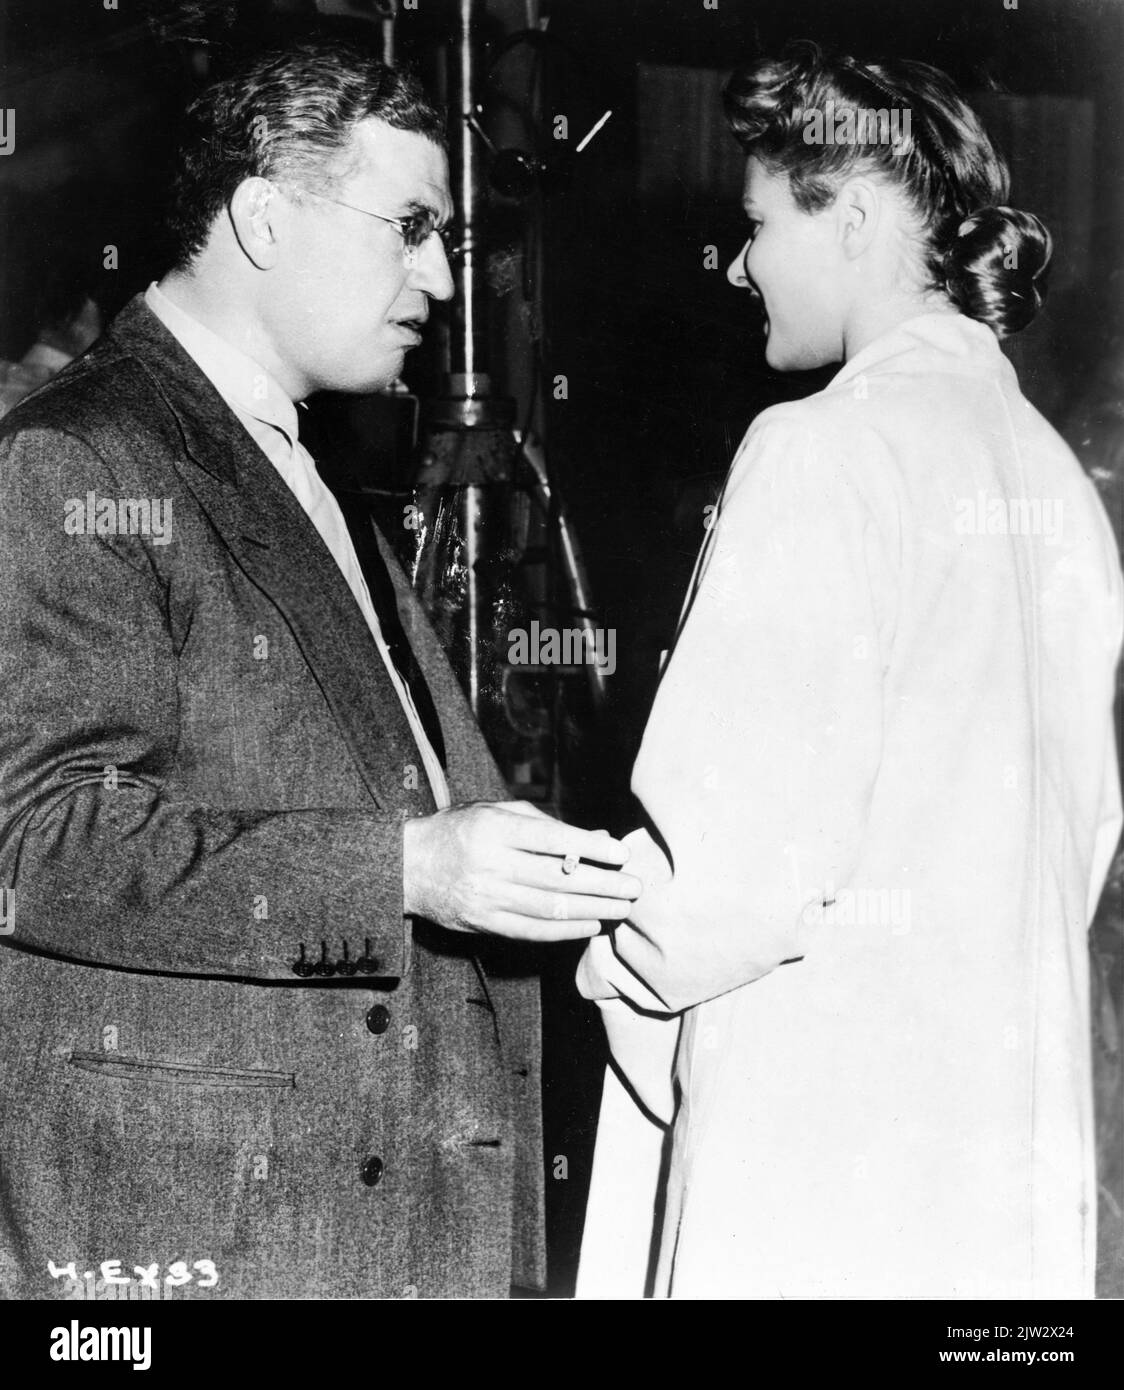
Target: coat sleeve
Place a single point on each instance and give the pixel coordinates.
(759, 760)
(102, 865)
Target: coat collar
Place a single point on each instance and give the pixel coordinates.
(927, 343)
(282, 552)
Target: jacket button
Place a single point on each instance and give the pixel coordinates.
(378, 1019)
(371, 1171)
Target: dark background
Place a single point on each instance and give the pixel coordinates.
(604, 281)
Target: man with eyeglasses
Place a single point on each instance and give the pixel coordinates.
(262, 1035)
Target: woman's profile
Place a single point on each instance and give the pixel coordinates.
(879, 780)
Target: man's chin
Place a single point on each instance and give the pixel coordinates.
(367, 383)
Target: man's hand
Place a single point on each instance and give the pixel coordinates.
(498, 869)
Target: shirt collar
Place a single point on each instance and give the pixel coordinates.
(243, 383)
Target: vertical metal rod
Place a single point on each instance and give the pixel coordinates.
(467, 353)
(472, 521)
(387, 11)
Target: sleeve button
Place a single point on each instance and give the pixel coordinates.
(367, 964)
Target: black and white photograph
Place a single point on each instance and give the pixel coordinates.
(560, 621)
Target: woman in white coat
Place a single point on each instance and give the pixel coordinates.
(879, 778)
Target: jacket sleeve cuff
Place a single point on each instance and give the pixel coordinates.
(357, 927)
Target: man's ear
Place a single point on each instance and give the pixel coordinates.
(256, 217)
(858, 209)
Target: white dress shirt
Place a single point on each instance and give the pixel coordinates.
(271, 420)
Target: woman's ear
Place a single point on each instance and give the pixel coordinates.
(859, 209)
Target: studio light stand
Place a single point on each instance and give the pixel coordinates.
(492, 527)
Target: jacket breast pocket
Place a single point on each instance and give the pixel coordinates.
(179, 1073)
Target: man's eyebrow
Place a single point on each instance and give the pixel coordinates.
(419, 206)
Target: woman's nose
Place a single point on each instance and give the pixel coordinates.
(737, 274)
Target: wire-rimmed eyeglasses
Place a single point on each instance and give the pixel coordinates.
(415, 228)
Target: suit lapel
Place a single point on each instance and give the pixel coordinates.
(279, 549)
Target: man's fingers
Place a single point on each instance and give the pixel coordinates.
(564, 907)
(544, 871)
(520, 928)
(545, 836)
(525, 808)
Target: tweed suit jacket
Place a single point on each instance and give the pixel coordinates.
(204, 772)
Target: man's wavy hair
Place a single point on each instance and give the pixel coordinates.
(285, 114)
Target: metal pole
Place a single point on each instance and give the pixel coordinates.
(472, 520)
(388, 13)
(467, 341)
(469, 446)
(468, 347)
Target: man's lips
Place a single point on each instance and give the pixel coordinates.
(413, 327)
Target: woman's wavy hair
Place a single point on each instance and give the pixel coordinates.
(990, 259)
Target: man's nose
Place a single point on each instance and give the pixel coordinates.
(737, 274)
(431, 272)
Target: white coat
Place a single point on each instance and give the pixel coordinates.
(882, 764)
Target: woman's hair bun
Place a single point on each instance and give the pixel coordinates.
(996, 267)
